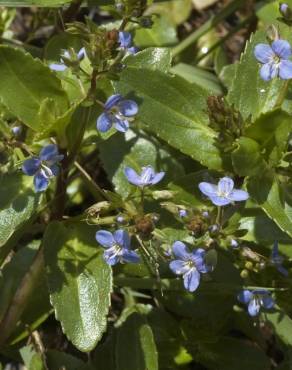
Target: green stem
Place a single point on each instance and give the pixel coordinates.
(219, 216)
(21, 297)
(282, 94)
(225, 38)
(95, 190)
(207, 26)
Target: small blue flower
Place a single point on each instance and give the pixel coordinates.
(182, 213)
(117, 111)
(117, 247)
(146, 178)
(188, 264)
(125, 41)
(283, 8)
(277, 260)
(16, 130)
(43, 167)
(255, 299)
(275, 61)
(60, 67)
(234, 243)
(223, 193)
(120, 219)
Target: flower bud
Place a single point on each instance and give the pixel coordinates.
(244, 274)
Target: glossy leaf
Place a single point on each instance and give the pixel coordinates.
(79, 282)
(268, 193)
(136, 334)
(18, 205)
(22, 87)
(175, 111)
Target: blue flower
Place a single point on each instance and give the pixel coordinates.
(60, 67)
(125, 41)
(275, 61)
(277, 260)
(43, 167)
(234, 243)
(182, 213)
(223, 193)
(255, 299)
(117, 247)
(117, 111)
(188, 264)
(283, 8)
(146, 178)
(16, 130)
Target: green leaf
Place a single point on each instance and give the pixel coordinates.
(61, 360)
(198, 76)
(28, 3)
(282, 325)
(268, 193)
(18, 205)
(271, 131)
(175, 111)
(136, 334)
(150, 58)
(247, 159)
(80, 282)
(12, 274)
(229, 354)
(26, 85)
(249, 93)
(162, 33)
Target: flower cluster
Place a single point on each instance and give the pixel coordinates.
(44, 167)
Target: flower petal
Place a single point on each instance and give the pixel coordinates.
(238, 195)
(264, 53)
(225, 185)
(111, 258)
(122, 238)
(268, 301)
(125, 39)
(178, 267)
(192, 280)
(133, 50)
(181, 251)
(268, 71)
(253, 307)
(282, 48)
(147, 175)
(285, 70)
(208, 188)
(59, 67)
(157, 177)
(121, 125)
(245, 296)
(31, 166)
(105, 238)
(40, 181)
(130, 256)
(132, 176)
(81, 53)
(104, 122)
(219, 201)
(49, 152)
(112, 101)
(128, 108)
(282, 270)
